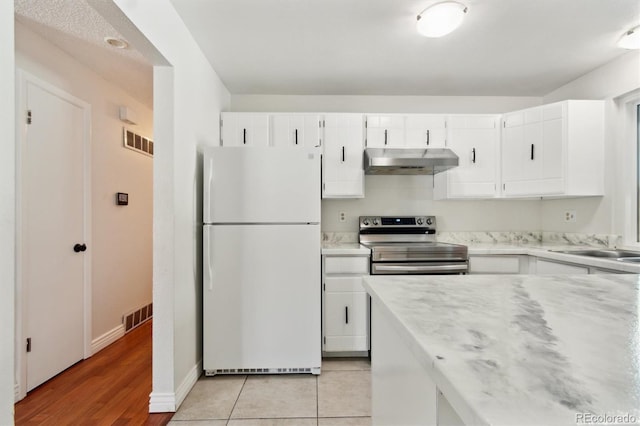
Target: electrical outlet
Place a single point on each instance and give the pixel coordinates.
(570, 216)
(343, 217)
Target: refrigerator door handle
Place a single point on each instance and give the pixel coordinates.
(207, 192)
(208, 256)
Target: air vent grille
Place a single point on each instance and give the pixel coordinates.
(137, 143)
(137, 317)
(257, 371)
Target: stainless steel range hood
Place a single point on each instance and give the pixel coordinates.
(401, 161)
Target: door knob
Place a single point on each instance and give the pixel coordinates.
(79, 247)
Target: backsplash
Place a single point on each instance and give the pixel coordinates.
(339, 237)
(594, 240)
(513, 237)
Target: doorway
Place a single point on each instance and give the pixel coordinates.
(54, 309)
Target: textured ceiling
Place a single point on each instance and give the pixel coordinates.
(370, 47)
(78, 29)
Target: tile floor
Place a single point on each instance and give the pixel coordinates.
(340, 396)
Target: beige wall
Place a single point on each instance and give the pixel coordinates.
(121, 236)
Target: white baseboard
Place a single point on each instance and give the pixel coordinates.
(16, 393)
(106, 339)
(162, 402)
(187, 384)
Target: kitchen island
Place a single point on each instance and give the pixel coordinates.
(505, 350)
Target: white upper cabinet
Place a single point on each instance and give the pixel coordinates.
(296, 130)
(476, 140)
(244, 129)
(554, 150)
(425, 131)
(385, 131)
(342, 160)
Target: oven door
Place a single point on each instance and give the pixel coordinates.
(419, 268)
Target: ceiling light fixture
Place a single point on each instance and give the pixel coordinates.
(118, 43)
(441, 18)
(630, 39)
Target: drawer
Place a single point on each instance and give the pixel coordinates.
(494, 264)
(346, 265)
(343, 284)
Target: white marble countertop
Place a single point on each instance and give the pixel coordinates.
(344, 249)
(543, 250)
(522, 349)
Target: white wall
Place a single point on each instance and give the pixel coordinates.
(7, 213)
(188, 97)
(409, 194)
(121, 247)
(601, 215)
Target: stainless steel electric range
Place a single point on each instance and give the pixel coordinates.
(402, 245)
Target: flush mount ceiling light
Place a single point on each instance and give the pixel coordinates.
(441, 18)
(630, 39)
(118, 43)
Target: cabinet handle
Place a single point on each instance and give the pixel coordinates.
(428, 138)
(343, 155)
(532, 156)
(296, 132)
(244, 136)
(385, 136)
(473, 155)
(346, 315)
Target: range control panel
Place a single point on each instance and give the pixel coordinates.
(400, 221)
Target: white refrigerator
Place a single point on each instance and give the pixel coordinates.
(261, 260)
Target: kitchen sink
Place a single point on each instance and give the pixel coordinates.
(629, 259)
(622, 255)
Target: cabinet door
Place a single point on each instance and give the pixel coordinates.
(552, 157)
(385, 131)
(548, 267)
(345, 315)
(245, 129)
(475, 140)
(425, 131)
(295, 130)
(512, 148)
(342, 172)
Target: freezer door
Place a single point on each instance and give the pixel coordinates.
(261, 185)
(261, 297)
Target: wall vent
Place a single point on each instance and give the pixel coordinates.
(137, 317)
(257, 371)
(137, 143)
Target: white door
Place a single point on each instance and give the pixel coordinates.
(475, 140)
(53, 223)
(244, 129)
(385, 131)
(261, 296)
(261, 185)
(295, 130)
(425, 131)
(342, 170)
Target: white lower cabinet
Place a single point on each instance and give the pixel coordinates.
(498, 264)
(551, 267)
(345, 305)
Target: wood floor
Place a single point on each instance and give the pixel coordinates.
(110, 388)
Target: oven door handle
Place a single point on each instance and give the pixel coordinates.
(421, 268)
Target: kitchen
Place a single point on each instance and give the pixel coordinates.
(594, 215)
